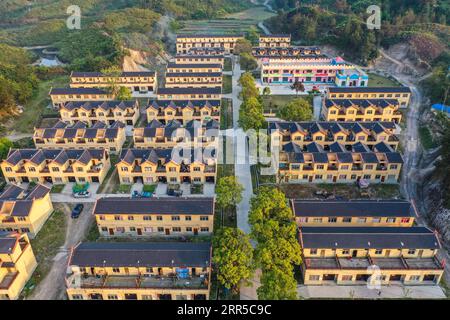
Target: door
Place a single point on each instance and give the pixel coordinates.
(111, 231)
(195, 231)
(334, 179)
(310, 178)
(167, 232)
(72, 179)
(95, 179)
(354, 253)
(139, 231)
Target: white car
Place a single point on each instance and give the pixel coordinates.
(82, 194)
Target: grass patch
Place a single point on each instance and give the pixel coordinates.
(225, 170)
(149, 188)
(271, 103)
(227, 84)
(34, 109)
(57, 188)
(226, 114)
(93, 234)
(426, 138)
(45, 247)
(376, 80)
(106, 184)
(196, 188)
(123, 188)
(227, 65)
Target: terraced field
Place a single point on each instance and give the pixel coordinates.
(233, 23)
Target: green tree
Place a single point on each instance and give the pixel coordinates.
(253, 36)
(298, 86)
(5, 145)
(233, 257)
(124, 93)
(249, 89)
(228, 192)
(276, 284)
(113, 73)
(266, 91)
(251, 114)
(247, 61)
(242, 46)
(297, 110)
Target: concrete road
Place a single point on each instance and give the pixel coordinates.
(52, 287)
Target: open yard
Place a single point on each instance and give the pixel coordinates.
(426, 138)
(227, 84)
(272, 102)
(36, 107)
(376, 80)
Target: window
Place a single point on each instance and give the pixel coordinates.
(378, 251)
(132, 229)
(347, 219)
(346, 252)
(175, 218)
(204, 218)
(188, 218)
(314, 277)
(176, 229)
(390, 220)
(159, 218)
(8, 169)
(332, 220)
(347, 277)
(188, 229)
(131, 218)
(204, 229)
(116, 270)
(147, 218)
(405, 220)
(313, 251)
(376, 220)
(160, 229)
(317, 220)
(113, 297)
(411, 251)
(77, 297)
(147, 297)
(362, 220)
(414, 278)
(118, 218)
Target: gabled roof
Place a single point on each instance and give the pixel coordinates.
(60, 156)
(169, 206)
(123, 74)
(141, 254)
(75, 91)
(105, 105)
(368, 89)
(176, 91)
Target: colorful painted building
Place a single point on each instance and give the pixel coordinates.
(402, 94)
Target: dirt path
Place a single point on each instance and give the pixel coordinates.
(52, 287)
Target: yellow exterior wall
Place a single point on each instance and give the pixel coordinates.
(355, 222)
(183, 115)
(128, 116)
(402, 97)
(354, 113)
(105, 81)
(225, 42)
(59, 99)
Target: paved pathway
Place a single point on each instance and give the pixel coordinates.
(317, 103)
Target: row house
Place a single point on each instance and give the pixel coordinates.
(312, 70)
(25, 210)
(361, 110)
(275, 40)
(202, 51)
(158, 135)
(183, 110)
(313, 164)
(55, 165)
(155, 217)
(226, 42)
(326, 133)
(288, 54)
(139, 271)
(199, 59)
(189, 93)
(109, 112)
(353, 213)
(17, 264)
(60, 96)
(78, 135)
(170, 165)
(140, 83)
(193, 68)
(370, 256)
(194, 80)
(402, 94)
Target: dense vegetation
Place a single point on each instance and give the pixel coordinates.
(17, 78)
(342, 23)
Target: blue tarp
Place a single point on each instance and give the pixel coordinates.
(441, 107)
(182, 273)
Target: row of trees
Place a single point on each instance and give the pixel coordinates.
(274, 231)
(251, 111)
(243, 48)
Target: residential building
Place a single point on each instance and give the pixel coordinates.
(183, 110)
(275, 40)
(139, 271)
(171, 165)
(144, 217)
(226, 42)
(189, 93)
(64, 135)
(140, 83)
(288, 54)
(196, 51)
(193, 67)
(313, 164)
(199, 59)
(370, 255)
(25, 210)
(194, 80)
(60, 96)
(402, 94)
(312, 70)
(326, 133)
(55, 165)
(17, 264)
(108, 112)
(353, 213)
(158, 135)
(361, 110)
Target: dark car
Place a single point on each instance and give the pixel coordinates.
(77, 211)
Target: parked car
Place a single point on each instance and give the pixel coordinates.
(135, 194)
(77, 211)
(82, 194)
(176, 193)
(146, 194)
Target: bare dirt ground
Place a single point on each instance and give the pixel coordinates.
(52, 287)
